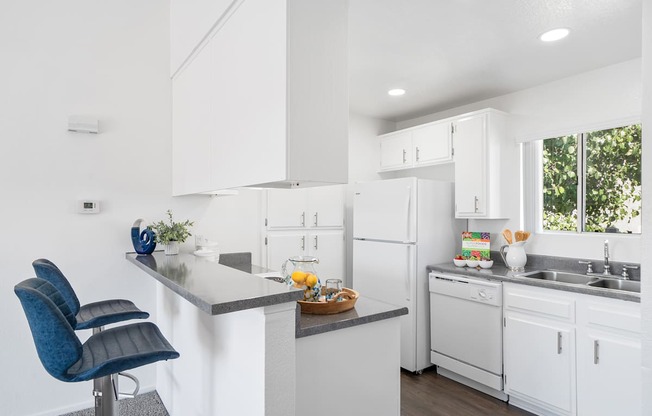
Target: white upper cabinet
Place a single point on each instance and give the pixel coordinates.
(476, 143)
(190, 22)
(429, 144)
(432, 144)
(305, 208)
(277, 110)
(396, 151)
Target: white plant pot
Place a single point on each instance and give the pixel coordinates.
(172, 248)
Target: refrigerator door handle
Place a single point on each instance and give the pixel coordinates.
(408, 288)
(407, 213)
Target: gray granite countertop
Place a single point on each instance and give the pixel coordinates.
(212, 287)
(365, 311)
(231, 285)
(500, 272)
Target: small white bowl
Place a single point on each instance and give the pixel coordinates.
(486, 264)
(472, 263)
(459, 263)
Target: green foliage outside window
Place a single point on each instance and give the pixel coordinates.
(613, 181)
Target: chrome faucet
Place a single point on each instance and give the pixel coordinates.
(607, 266)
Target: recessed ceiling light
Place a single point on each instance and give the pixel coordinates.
(396, 92)
(554, 34)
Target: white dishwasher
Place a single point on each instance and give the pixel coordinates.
(466, 331)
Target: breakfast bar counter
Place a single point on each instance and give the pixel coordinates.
(212, 287)
(246, 348)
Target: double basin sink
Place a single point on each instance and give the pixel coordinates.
(583, 279)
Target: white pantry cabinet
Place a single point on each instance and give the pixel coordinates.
(476, 143)
(609, 357)
(306, 222)
(425, 145)
(265, 127)
(539, 344)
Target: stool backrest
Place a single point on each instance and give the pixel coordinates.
(51, 323)
(47, 270)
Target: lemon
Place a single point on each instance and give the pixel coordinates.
(299, 277)
(311, 280)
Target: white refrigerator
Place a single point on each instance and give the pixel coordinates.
(400, 226)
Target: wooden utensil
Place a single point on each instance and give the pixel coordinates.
(507, 234)
(521, 235)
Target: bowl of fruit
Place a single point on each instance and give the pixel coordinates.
(473, 261)
(485, 262)
(459, 261)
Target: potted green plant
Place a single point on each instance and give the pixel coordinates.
(171, 233)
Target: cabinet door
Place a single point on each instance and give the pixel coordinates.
(328, 247)
(539, 361)
(396, 151)
(432, 144)
(326, 206)
(249, 102)
(286, 208)
(471, 170)
(282, 246)
(192, 127)
(609, 374)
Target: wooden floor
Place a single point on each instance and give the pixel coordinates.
(430, 394)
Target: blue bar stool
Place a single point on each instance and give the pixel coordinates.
(93, 315)
(102, 357)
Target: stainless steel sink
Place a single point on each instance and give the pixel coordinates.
(563, 277)
(626, 285)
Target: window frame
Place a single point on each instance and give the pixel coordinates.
(532, 174)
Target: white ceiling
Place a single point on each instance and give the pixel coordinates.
(448, 53)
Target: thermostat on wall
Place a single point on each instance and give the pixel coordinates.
(88, 207)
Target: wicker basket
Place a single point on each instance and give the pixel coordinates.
(348, 296)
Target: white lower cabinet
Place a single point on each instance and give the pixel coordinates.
(326, 245)
(539, 344)
(571, 354)
(609, 358)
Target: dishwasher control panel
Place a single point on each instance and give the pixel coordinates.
(483, 294)
(462, 287)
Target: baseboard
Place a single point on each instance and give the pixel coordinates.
(86, 404)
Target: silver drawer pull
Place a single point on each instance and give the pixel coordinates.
(596, 352)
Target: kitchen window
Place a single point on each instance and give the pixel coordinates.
(586, 182)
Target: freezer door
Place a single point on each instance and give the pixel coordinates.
(386, 210)
(386, 272)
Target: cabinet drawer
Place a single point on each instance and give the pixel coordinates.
(612, 316)
(540, 302)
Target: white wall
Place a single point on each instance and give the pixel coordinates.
(591, 99)
(646, 277)
(108, 59)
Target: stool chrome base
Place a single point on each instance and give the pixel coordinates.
(105, 390)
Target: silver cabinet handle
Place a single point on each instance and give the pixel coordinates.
(558, 342)
(476, 203)
(316, 218)
(315, 243)
(303, 243)
(417, 154)
(404, 156)
(303, 219)
(596, 351)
